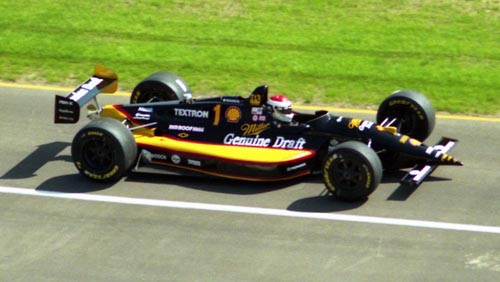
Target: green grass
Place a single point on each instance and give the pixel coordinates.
(343, 52)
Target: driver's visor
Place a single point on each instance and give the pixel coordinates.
(285, 111)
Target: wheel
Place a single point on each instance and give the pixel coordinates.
(352, 171)
(104, 150)
(413, 111)
(161, 86)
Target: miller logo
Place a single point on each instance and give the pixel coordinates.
(255, 100)
(254, 128)
(233, 114)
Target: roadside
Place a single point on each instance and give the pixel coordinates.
(332, 108)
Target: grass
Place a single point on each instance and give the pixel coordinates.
(342, 52)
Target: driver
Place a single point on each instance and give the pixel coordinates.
(281, 108)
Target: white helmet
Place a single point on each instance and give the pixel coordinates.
(281, 108)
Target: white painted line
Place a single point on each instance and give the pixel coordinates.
(254, 210)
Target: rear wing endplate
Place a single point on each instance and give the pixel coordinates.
(67, 109)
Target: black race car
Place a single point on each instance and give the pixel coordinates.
(256, 138)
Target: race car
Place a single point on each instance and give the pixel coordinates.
(255, 138)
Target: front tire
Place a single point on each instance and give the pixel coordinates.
(414, 113)
(352, 171)
(104, 150)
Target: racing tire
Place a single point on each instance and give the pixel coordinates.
(161, 86)
(104, 150)
(352, 171)
(414, 113)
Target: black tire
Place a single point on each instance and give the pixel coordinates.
(161, 86)
(352, 171)
(414, 112)
(104, 150)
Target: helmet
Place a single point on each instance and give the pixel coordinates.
(281, 108)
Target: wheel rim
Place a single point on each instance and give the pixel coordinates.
(406, 122)
(348, 173)
(98, 154)
(150, 98)
(152, 94)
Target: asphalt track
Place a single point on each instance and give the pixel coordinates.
(57, 226)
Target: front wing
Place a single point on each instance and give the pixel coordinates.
(421, 171)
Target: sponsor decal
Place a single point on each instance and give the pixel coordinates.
(102, 176)
(354, 123)
(255, 100)
(368, 177)
(183, 135)
(85, 88)
(281, 142)
(415, 109)
(404, 138)
(146, 110)
(157, 156)
(194, 162)
(150, 156)
(411, 141)
(65, 102)
(360, 124)
(326, 171)
(233, 114)
(187, 128)
(232, 139)
(191, 113)
(257, 110)
(365, 125)
(254, 128)
(257, 141)
(418, 175)
(95, 133)
(65, 111)
(229, 100)
(257, 118)
(439, 150)
(295, 167)
(139, 116)
(258, 114)
(176, 159)
(415, 142)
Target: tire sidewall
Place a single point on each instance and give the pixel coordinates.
(165, 86)
(409, 103)
(371, 169)
(119, 139)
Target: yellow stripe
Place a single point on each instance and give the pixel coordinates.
(234, 153)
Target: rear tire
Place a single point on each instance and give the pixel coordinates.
(161, 86)
(414, 113)
(352, 171)
(104, 150)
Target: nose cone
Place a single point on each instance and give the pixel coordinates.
(446, 159)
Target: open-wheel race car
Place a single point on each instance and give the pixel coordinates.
(257, 138)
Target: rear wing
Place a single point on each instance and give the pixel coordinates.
(67, 109)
